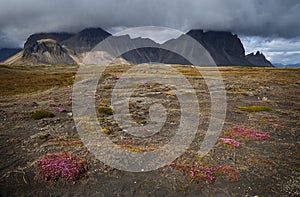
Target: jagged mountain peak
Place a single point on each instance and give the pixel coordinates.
(258, 59)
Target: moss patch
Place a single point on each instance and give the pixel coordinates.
(105, 110)
(254, 108)
(42, 114)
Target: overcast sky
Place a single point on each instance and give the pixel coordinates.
(271, 26)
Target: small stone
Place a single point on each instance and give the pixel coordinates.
(70, 114)
(264, 99)
(249, 93)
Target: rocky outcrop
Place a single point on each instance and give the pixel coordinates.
(258, 60)
(47, 51)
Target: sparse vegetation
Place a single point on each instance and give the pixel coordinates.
(207, 173)
(42, 114)
(256, 159)
(27, 79)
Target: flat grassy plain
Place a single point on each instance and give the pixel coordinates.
(258, 167)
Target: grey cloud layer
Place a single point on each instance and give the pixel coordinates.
(264, 18)
(280, 50)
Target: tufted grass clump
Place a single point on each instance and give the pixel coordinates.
(254, 108)
(105, 110)
(42, 114)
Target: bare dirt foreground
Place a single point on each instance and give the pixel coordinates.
(262, 157)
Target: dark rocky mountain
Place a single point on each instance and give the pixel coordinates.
(63, 48)
(258, 59)
(32, 47)
(85, 40)
(225, 48)
(149, 54)
(6, 53)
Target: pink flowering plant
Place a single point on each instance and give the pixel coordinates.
(61, 109)
(63, 165)
(248, 134)
(230, 142)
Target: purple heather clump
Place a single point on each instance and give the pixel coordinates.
(61, 109)
(63, 165)
(203, 173)
(230, 142)
(248, 134)
(197, 173)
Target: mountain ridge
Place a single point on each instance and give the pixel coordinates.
(225, 48)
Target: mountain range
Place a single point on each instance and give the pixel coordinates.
(287, 65)
(225, 48)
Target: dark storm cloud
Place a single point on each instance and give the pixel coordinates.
(264, 18)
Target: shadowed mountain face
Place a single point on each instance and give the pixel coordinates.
(154, 55)
(225, 48)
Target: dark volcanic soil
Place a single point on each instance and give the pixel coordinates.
(267, 167)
